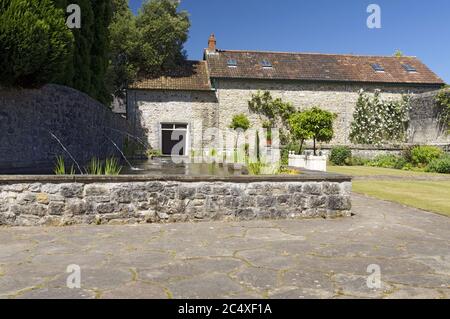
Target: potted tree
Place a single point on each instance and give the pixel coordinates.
(239, 123)
(313, 124)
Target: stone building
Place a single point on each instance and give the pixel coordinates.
(206, 94)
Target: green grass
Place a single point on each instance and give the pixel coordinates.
(377, 171)
(433, 196)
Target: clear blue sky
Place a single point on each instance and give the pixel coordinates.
(416, 27)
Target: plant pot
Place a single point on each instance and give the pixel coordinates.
(309, 162)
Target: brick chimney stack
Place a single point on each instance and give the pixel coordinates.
(212, 43)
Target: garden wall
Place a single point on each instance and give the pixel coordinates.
(425, 127)
(27, 117)
(65, 200)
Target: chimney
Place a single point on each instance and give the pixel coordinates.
(212, 43)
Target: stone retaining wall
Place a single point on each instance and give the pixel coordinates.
(27, 117)
(30, 201)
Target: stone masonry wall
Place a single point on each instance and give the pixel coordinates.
(98, 202)
(341, 99)
(425, 127)
(148, 109)
(82, 124)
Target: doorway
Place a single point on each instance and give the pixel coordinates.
(174, 138)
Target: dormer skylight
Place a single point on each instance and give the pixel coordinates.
(232, 63)
(409, 68)
(266, 64)
(377, 67)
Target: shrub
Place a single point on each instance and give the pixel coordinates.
(387, 161)
(440, 165)
(359, 161)
(341, 156)
(35, 43)
(421, 156)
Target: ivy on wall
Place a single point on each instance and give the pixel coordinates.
(443, 101)
(377, 121)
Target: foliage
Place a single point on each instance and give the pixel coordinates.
(376, 121)
(255, 168)
(112, 166)
(439, 165)
(124, 48)
(341, 156)
(398, 54)
(94, 167)
(272, 112)
(423, 155)
(315, 124)
(147, 44)
(359, 161)
(443, 101)
(388, 161)
(34, 42)
(240, 121)
(290, 147)
(163, 30)
(86, 69)
(60, 167)
(151, 153)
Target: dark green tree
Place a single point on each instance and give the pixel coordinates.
(124, 48)
(163, 31)
(86, 69)
(34, 42)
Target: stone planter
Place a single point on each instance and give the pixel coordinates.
(309, 162)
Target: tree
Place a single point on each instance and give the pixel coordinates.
(34, 42)
(239, 123)
(315, 124)
(271, 111)
(163, 31)
(148, 44)
(86, 69)
(124, 48)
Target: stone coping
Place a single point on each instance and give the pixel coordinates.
(306, 176)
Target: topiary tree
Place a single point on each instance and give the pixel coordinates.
(35, 42)
(239, 123)
(315, 124)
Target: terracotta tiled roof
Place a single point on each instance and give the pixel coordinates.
(192, 76)
(318, 67)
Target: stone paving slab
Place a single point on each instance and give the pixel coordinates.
(259, 259)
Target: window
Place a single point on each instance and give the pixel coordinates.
(266, 64)
(232, 63)
(377, 67)
(409, 68)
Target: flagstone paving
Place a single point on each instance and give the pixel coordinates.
(259, 259)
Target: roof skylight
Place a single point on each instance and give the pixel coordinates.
(377, 67)
(409, 68)
(232, 63)
(266, 64)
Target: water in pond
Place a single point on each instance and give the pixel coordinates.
(147, 167)
(167, 167)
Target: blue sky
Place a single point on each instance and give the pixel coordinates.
(418, 28)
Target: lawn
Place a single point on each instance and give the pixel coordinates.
(432, 196)
(377, 171)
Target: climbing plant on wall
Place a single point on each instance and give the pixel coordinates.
(377, 121)
(443, 101)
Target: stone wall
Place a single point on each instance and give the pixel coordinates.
(87, 200)
(148, 109)
(339, 98)
(425, 127)
(27, 117)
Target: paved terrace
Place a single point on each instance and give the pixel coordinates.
(260, 259)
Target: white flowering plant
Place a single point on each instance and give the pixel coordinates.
(377, 121)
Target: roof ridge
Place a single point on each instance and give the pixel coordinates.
(317, 53)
